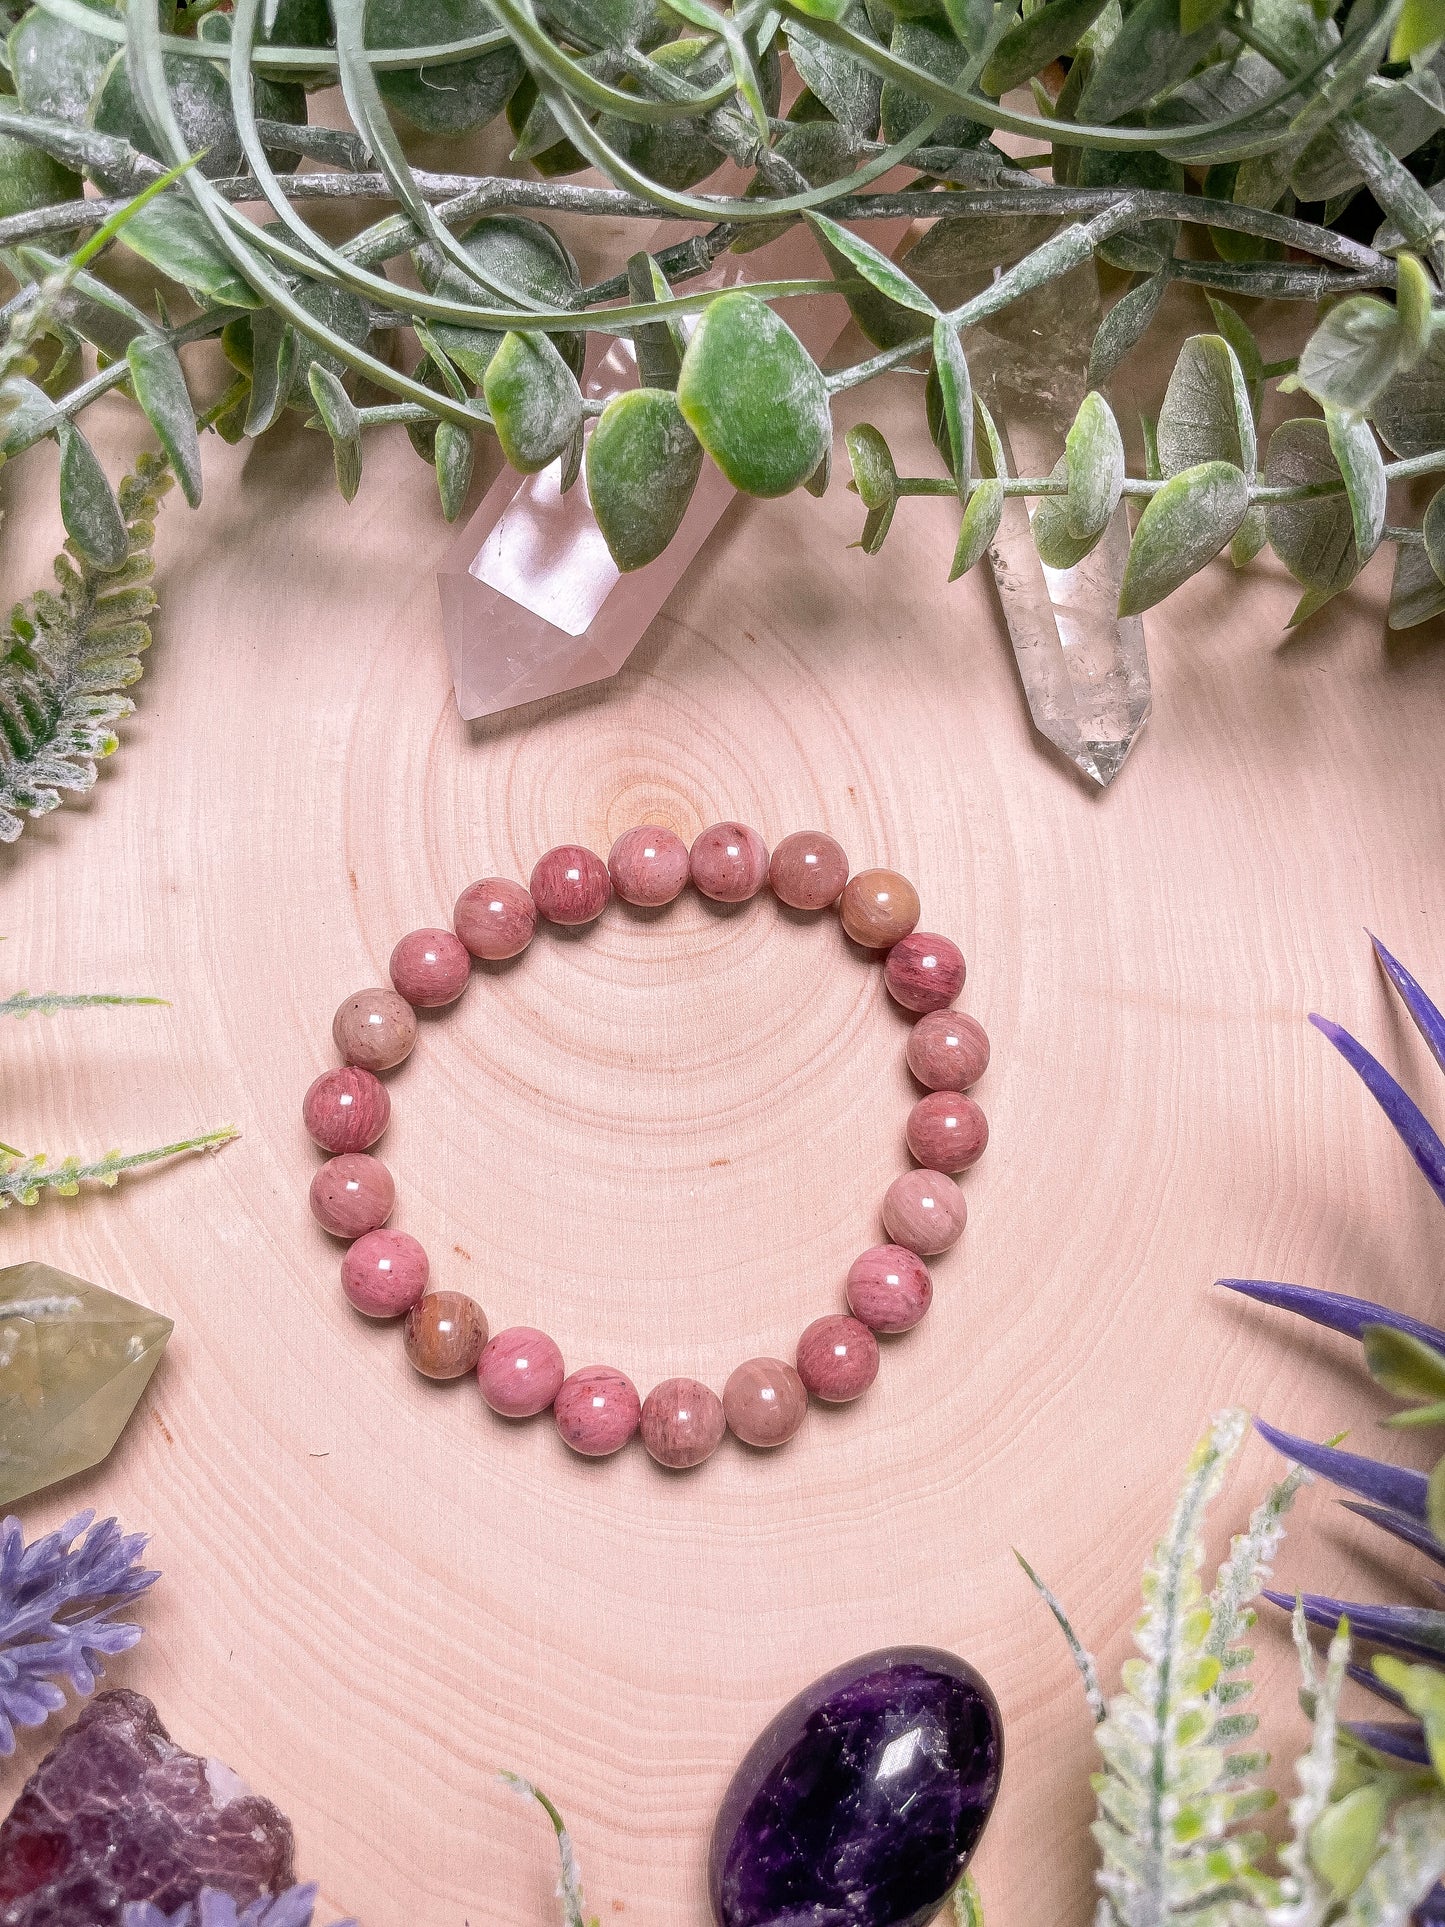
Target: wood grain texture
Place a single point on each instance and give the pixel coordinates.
(664, 1140)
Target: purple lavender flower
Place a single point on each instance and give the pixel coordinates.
(294, 1908)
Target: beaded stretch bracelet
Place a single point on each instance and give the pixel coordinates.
(384, 1273)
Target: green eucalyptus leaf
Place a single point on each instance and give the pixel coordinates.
(982, 513)
(1409, 411)
(454, 96)
(1094, 463)
(1240, 336)
(201, 99)
(88, 507)
(1030, 44)
(23, 408)
(991, 458)
(1404, 1365)
(1352, 354)
(1345, 1839)
(1433, 530)
(955, 392)
(1402, 114)
(30, 178)
(754, 397)
(1314, 538)
(874, 475)
(674, 153)
(89, 305)
(160, 389)
(1417, 593)
(342, 423)
(928, 44)
(1149, 55)
(1125, 324)
(1415, 305)
(660, 345)
(1206, 414)
(1249, 538)
(533, 397)
(1146, 248)
(1420, 27)
(1054, 538)
(643, 462)
(1362, 466)
(174, 236)
(851, 92)
(56, 66)
(453, 452)
(513, 252)
(876, 269)
(267, 337)
(1184, 525)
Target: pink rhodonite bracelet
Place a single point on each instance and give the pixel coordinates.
(384, 1273)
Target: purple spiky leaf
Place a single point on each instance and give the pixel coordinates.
(1415, 1129)
(1365, 1676)
(1428, 1020)
(1401, 1526)
(1391, 1486)
(1332, 1309)
(1400, 1739)
(1417, 1632)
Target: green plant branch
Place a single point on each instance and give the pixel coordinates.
(22, 1003)
(23, 1179)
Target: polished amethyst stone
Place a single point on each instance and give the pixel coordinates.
(862, 1802)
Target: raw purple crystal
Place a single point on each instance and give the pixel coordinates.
(862, 1802)
(116, 1812)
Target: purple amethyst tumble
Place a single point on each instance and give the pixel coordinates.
(860, 1805)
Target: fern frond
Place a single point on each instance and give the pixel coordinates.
(1082, 1658)
(24, 1003)
(569, 1883)
(1243, 1576)
(66, 656)
(1306, 1898)
(22, 1179)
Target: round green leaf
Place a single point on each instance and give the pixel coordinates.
(754, 397)
(515, 253)
(675, 153)
(453, 453)
(930, 45)
(1352, 353)
(29, 178)
(534, 400)
(981, 516)
(458, 95)
(1417, 593)
(1315, 538)
(643, 462)
(1206, 414)
(1094, 463)
(202, 101)
(1184, 525)
(1409, 412)
(1054, 537)
(88, 507)
(174, 236)
(1344, 1840)
(874, 475)
(56, 67)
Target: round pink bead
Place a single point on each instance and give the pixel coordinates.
(597, 1411)
(808, 870)
(430, 968)
(648, 866)
(495, 918)
(764, 1402)
(520, 1372)
(346, 1110)
(374, 1029)
(948, 1051)
(570, 885)
(837, 1358)
(925, 1211)
(384, 1273)
(889, 1288)
(729, 863)
(352, 1194)
(682, 1423)
(947, 1131)
(924, 972)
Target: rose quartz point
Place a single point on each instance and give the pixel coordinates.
(925, 1211)
(682, 1423)
(384, 1273)
(948, 1051)
(765, 1402)
(837, 1358)
(444, 1334)
(520, 1372)
(924, 972)
(648, 866)
(597, 1410)
(947, 1131)
(346, 1110)
(808, 870)
(879, 908)
(495, 918)
(352, 1194)
(729, 863)
(570, 885)
(374, 1029)
(430, 968)
(889, 1288)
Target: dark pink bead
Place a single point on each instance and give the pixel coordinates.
(648, 866)
(384, 1273)
(808, 870)
(520, 1372)
(570, 885)
(837, 1358)
(346, 1110)
(597, 1411)
(430, 968)
(947, 1131)
(352, 1194)
(948, 1051)
(729, 863)
(495, 918)
(924, 972)
(889, 1288)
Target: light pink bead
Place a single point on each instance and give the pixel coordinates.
(837, 1358)
(570, 885)
(765, 1402)
(374, 1029)
(808, 870)
(729, 863)
(648, 866)
(889, 1288)
(597, 1411)
(924, 972)
(384, 1273)
(520, 1372)
(948, 1051)
(352, 1194)
(925, 1211)
(346, 1110)
(947, 1131)
(682, 1423)
(495, 918)
(430, 968)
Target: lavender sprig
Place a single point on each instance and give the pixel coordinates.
(212, 1908)
(58, 1596)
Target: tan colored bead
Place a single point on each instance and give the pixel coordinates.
(374, 1029)
(765, 1402)
(444, 1334)
(682, 1423)
(879, 908)
(925, 1211)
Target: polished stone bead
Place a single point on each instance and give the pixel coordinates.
(570, 885)
(597, 1410)
(924, 972)
(682, 1423)
(117, 1813)
(947, 1131)
(729, 862)
(352, 1194)
(889, 1288)
(879, 908)
(346, 1110)
(837, 1358)
(384, 1273)
(764, 1402)
(861, 1803)
(431, 968)
(74, 1361)
(648, 866)
(375, 1029)
(808, 870)
(495, 918)
(444, 1334)
(925, 1211)
(948, 1051)
(520, 1372)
